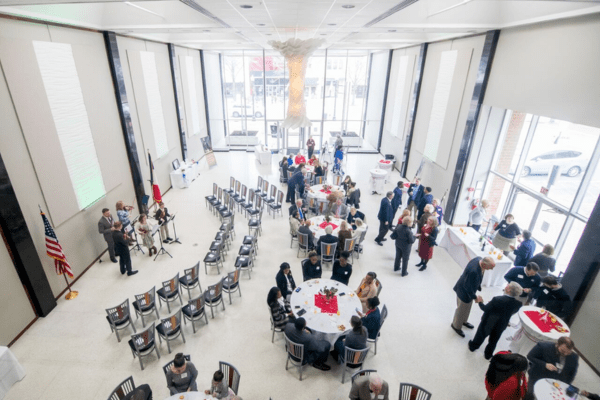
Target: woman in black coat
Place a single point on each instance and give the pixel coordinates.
(280, 309)
(354, 196)
(285, 281)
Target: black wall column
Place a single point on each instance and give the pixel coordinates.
(483, 74)
(116, 70)
(205, 93)
(414, 102)
(385, 96)
(20, 243)
(178, 92)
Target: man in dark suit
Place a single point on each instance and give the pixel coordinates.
(297, 180)
(327, 238)
(415, 193)
(554, 361)
(404, 240)
(385, 216)
(298, 207)
(106, 228)
(142, 392)
(305, 230)
(552, 297)
(527, 277)
(426, 199)
(466, 291)
(122, 249)
(353, 215)
(397, 200)
(315, 351)
(496, 315)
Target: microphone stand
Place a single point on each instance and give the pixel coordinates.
(136, 246)
(176, 240)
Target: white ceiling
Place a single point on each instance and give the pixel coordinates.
(223, 24)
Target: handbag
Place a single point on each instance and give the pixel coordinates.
(394, 235)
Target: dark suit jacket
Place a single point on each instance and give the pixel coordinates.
(294, 208)
(546, 264)
(311, 344)
(386, 213)
(404, 237)
(121, 245)
(328, 238)
(372, 322)
(104, 228)
(158, 212)
(524, 252)
(360, 389)
(351, 218)
(426, 199)
(470, 281)
(305, 230)
(282, 283)
(145, 389)
(517, 274)
(556, 301)
(297, 179)
(497, 313)
(354, 198)
(546, 353)
(310, 271)
(397, 200)
(341, 274)
(413, 195)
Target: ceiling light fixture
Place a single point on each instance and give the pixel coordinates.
(332, 24)
(246, 6)
(143, 9)
(323, 34)
(260, 24)
(206, 30)
(348, 6)
(391, 30)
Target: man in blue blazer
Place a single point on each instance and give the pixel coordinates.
(525, 250)
(385, 216)
(554, 361)
(397, 200)
(426, 199)
(415, 193)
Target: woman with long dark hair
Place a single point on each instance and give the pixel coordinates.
(280, 309)
(505, 378)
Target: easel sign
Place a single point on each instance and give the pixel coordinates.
(211, 160)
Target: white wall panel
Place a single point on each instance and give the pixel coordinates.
(155, 107)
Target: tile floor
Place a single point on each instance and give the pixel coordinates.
(71, 354)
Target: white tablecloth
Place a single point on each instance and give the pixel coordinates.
(262, 154)
(544, 389)
(464, 247)
(385, 165)
(10, 370)
(325, 326)
(377, 180)
(315, 192)
(191, 396)
(529, 334)
(318, 231)
(177, 176)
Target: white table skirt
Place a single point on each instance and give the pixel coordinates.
(377, 180)
(544, 389)
(529, 334)
(325, 326)
(315, 192)
(10, 370)
(464, 247)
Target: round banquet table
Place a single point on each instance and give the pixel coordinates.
(191, 396)
(308, 168)
(530, 333)
(318, 231)
(385, 165)
(325, 325)
(315, 192)
(544, 389)
(377, 180)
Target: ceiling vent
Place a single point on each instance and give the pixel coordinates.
(204, 11)
(391, 11)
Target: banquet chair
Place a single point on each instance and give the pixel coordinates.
(213, 258)
(282, 177)
(312, 205)
(236, 194)
(142, 344)
(223, 236)
(256, 217)
(169, 292)
(362, 372)
(190, 279)
(259, 186)
(264, 192)
(119, 318)
(318, 180)
(353, 359)
(194, 311)
(295, 354)
(216, 202)
(384, 313)
(231, 186)
(358, 246)
(231, 283)
(168, 365)
(145, 304)
(293, 234)
(213, 296)
(302, 244)
(310, 178)
(277, 205)
(272, 194)
(328, 253)
(241, 199)
(273, 327)
(322, 206)
(249, 204)
(208, 199)
(224, 204)
(124, 388)
(253, 240)
(379, 286)
(169, 329)
(349, 246)
(228, 212)
(228, 226)
(247, 250)
(244, 263)
(408, 391)
(232, 376)
(337, 179)
(290, 173)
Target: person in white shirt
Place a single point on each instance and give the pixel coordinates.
(477, 215)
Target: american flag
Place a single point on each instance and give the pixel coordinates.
(54, 249)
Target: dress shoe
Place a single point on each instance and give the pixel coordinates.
(384, 239)
(423, 268)
(123, 272)
(114, 260)
(471, 348)
(132, 273)
(459, 332)
(322, 367)
(468, 325)
(379, 243)
(169, 239)
(487, 356)
(404, 274)
(419, 264)
(165, 241)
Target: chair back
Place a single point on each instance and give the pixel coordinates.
(337, 179)
(281, 176)
(244, 191)
(168, 365)
(232, 375)
(349, 245)
(319, 180)
(384, 314)
(379, 287)
(312, 202)
(215, 189)
(265, 186)
(172, 285)
(363, 235)
(363, 372)
(124, 388)
(321, 207)
(273, 192)
(192, 273)
(196, 304)
(146, 299)
(238, 186)
(251, 197)
(295, 350)
(171, 324)
(233, 278)
(231, 183)
(215, 290)
(220, 194)
(119, 313)
(143, 339)
(259, 204)
(408, 391)
(260, 182)
(328, 250)
(303, 240)
(279, 197)
(225, 198)
(355, 358)
(290, 173)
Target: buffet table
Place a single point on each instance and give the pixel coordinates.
(534, 329)
(262, 155)
(10, 370)
(463, 245)
(327, 320)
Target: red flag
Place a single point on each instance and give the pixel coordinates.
(156, 193)
(54, 249)
(156, 196)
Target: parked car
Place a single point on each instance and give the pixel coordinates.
(238, 111)
(571, 162)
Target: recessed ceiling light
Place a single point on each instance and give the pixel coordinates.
(323, 34)
(391, 30)
(206, 30)
(332, 24)
(260, 24)
(246, 6)
(268, 34)
(348, 6)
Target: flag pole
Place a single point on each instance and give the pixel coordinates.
(72, 294)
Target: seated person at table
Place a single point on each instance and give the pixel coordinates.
(545, 261)
(343, 234)
(360, 227)
(218, 388)
(552, 296)
(554, 361)
(342, 270)
(369, 387)
(327, 238)
(299, 208)
(346, 183)
(181, 377)
(284, 167)
(315, 351)
(589, 395)
(300, 159)
(339, 209)
(295, 223)
(311, 267)
(353, 195)
(290, 161)
(285, 281)
(312, 160)
(372, 318)
(305, 230)
(367, 289)
(142, 392)
(527, 277)
(356, 340)
(318, 169)
(280, 308)
(525, 250)
(352, 215)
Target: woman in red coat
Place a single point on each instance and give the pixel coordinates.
(505, 378)
(427, 239)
